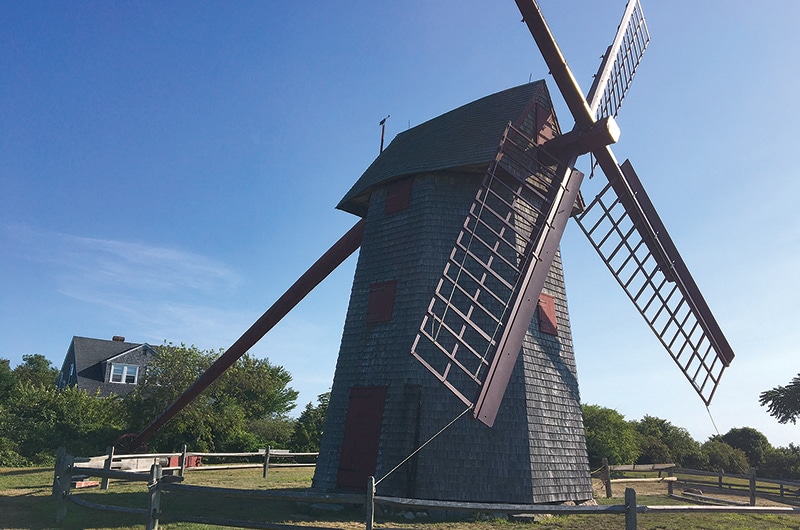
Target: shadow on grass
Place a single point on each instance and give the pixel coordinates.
(175, 504)
(26, 471)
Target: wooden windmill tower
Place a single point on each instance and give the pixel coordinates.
(485, 319)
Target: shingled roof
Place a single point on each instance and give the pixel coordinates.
(466, 136)
(90, 353)
(85, 363)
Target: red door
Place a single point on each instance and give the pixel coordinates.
(362, 432)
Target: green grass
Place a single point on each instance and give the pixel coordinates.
(25, 502)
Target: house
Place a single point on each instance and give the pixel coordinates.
(112, 366)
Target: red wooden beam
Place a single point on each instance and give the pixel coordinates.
(326, 264)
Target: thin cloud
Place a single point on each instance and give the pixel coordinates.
(161, 292)
(128, 264)
(90, 268)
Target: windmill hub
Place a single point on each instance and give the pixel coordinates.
(581, 141)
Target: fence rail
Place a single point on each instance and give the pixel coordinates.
(184, 461)
(751, 485)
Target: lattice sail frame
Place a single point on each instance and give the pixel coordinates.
(658, 285)
(614, 78)
(488, 267)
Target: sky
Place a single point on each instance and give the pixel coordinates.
(167, 170)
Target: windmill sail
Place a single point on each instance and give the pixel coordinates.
(620, 62)
(473, 330)
(626, 231)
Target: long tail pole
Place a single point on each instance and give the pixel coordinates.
(326, 264)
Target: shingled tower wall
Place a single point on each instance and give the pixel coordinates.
(383, 403)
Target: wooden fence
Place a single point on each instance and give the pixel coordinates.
(749, 485)
(184, 461)
(157, 482)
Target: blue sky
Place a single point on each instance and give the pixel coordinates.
(168, 170)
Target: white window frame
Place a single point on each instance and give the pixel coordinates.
(126, 370)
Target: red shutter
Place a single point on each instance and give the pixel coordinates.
(545, 124)
(547, 315)
(381, 301)
(398, 196)
(362, 433)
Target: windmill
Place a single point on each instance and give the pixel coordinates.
(496, 330)
(497, 177)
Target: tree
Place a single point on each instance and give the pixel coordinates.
(781, 463)
(723, 458)
(657, 435)
(273, 432)
(37, 419)
(308, 427)
(6, 379)
(36, 369)
(754, 444)
(783, 402)
(224, 416)
(259, 387)
(609, 436)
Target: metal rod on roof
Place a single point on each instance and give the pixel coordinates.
(326, 264)
(383, 129)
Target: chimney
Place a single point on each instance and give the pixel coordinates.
(117, 338)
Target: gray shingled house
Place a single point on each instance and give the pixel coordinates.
(112, 366)
(383, 403)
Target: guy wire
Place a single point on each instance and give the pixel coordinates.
(418, 449)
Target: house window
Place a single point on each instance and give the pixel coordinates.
(124, 373)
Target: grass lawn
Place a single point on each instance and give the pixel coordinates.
(25, 502)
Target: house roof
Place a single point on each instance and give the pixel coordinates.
(466, 136)
(90, 355)
(90, 352)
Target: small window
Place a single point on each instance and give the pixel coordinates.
(124, 373)
(398, 196)
(547, 315)
(381, 302)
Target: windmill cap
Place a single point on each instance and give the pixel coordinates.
(466, 136)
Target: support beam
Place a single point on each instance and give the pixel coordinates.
(326, 264)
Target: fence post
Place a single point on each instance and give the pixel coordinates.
(630, 509)
(606, 474)
(266, 462)
(59, 467)
(107, 466)
(370, 502)
(669, 482)
(752, 486)
(62, 482)
(184, 457)
(154, 497)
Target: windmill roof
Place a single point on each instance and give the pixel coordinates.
(466, 136)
